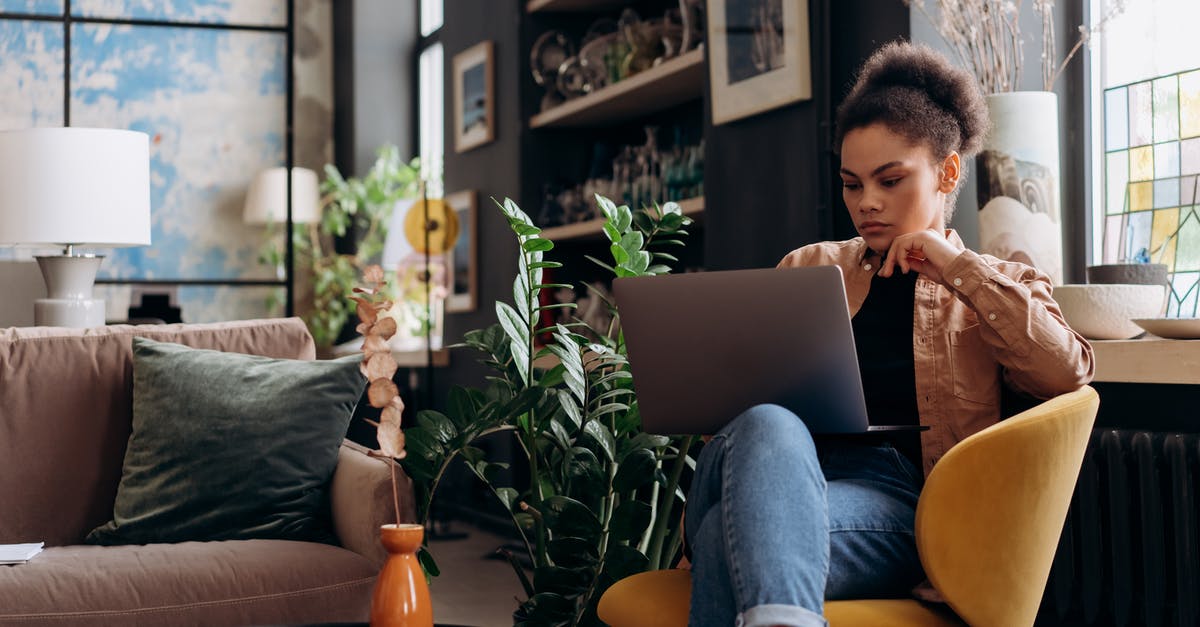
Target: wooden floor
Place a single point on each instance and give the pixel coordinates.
(474, 588)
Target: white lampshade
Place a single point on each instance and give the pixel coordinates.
(266, 201)
(83, 186)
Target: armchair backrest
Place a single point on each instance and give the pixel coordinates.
(992, 510)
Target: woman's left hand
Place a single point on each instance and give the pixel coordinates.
(926, 252)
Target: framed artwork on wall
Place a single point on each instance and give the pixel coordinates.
(474, 97)
(758, 56)
(462, 262)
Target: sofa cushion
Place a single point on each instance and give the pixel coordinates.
(228, 446)
(65, 399)
(193, 583)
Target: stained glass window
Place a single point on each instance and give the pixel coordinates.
(1152, 180)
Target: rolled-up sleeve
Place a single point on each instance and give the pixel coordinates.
(1022, 324)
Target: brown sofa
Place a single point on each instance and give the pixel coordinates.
(65, 416)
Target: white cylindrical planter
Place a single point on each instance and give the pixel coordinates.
(1020, 216)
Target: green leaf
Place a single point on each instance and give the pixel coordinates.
(553, 377)
(630, 521)
(600, 398)
(514, 325)
(560, 435)
(460, 407)
(636, 470)
(437, 424)
(548, 608)
(582, 463)
(569, 582)
(538, 265)
(538, 244)
(567, 517)
(525, 230)
(620, 255)
(642, 441)
(472, 454)
(427, 562)
(521, 300)
(572, 552)
(621, 561)
(420, 442)
(570, 407)
(508, 496)
(600, 435)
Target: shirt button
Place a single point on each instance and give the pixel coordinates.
(867, 267)
(957, 282)
(991, 316)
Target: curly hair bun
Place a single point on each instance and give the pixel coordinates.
(918, 93)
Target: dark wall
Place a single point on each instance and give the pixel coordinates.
(770, 183)
(494, 169)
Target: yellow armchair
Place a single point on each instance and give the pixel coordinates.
(988, 522)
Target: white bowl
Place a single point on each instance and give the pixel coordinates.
(1106, 311)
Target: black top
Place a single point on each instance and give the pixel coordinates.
(883, 338)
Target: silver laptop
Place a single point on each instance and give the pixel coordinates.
(704, 347)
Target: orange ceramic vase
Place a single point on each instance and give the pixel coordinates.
(401, 597)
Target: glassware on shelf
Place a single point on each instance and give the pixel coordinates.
(549, 52)
(637, 176)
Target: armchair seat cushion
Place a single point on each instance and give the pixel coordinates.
(191, 583)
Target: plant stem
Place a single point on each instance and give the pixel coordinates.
(667, 498)
(395, 490)
(610, 503)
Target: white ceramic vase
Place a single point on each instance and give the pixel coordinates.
(1020, 218)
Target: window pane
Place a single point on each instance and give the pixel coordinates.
(212, 102)
(431, 117)
(37, 7)
(431, 16)
(31, 69)
(1151, 38)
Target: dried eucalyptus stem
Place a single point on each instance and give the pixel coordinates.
(378, 366)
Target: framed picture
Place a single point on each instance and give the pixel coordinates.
(463, 263)
(758, 56)
(474, 97)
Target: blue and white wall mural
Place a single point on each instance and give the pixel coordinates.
(212, 101)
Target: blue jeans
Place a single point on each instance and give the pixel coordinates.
(777, 524)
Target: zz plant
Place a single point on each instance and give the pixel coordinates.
(603, 499)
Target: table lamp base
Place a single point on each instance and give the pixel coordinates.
(69, 279)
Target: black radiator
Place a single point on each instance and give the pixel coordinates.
(1130, 550)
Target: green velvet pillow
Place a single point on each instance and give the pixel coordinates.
(228, 446)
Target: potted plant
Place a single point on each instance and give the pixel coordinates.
(361, 207)
(603, 500)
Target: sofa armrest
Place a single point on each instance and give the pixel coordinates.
(361, 499)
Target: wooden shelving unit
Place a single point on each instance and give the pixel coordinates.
(547, 6)
(692, 207)
(677, 81)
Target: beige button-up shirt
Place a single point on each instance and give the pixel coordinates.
(991, 322)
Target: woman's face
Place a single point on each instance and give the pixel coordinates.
(892, 186)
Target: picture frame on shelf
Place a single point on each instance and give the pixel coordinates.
(759, 57)
(462, 272)
(474, 96)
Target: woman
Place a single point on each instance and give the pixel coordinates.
(777, 521)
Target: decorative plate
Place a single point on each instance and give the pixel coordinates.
(548, 53)
(1174, 328)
